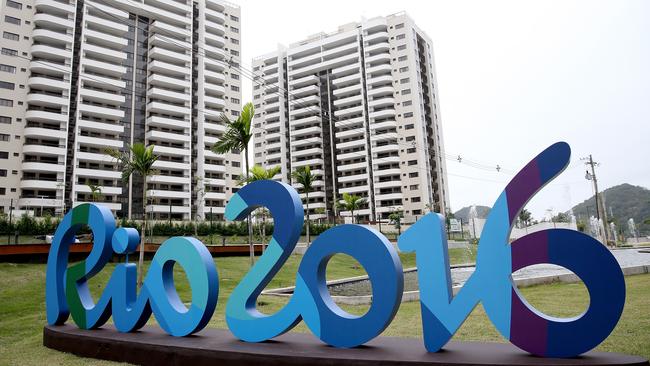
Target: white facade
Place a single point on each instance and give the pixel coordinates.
(110, 73)
(359, 107)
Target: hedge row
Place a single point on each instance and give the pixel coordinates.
(27, 225)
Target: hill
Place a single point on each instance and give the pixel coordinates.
(463, 213)
(624, 201)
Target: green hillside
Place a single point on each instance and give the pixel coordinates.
(625, 201)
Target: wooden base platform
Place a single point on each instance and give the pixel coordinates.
(151, 346)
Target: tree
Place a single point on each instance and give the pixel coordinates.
(306, 179)
(236, 139)
(351, 203)
(95, 191)
(139, 160)
(561, 217)
(395, 218)
(525, 216)
(259, 173)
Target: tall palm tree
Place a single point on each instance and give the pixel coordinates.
(306, 179)
(259, 173)
(138, 160)
(351, 202)
(236, 139)
(95, 191)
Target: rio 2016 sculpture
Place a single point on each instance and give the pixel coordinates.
(442, 313)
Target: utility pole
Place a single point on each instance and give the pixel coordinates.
(600, 209)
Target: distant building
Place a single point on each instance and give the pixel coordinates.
(358, 106)
(77, 77)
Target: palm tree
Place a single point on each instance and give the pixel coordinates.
(95, 191)
(351, 202)
(236, 139)
(139, 160)
(259, 173)
(524, 217)
(306, 179)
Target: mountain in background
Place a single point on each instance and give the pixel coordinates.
(624, 201)
(463, 213)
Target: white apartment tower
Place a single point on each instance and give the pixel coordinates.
(360, 107)
(81, 76)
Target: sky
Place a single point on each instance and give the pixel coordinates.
(513, 77)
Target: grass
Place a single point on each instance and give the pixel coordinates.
(22, 307)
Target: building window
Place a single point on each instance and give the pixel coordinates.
(12, 20)
(8, 68)
(407, 103)
(234, 40)
(401, 47)
(414, 187)
(234, 100)
(5, 119)
(404, 81)
(400, 36)
(3, 172)
(11, 36)
(413, 162)
(410, 138)
(410, 150)
(234, 30)
(235, 76)
(409, 127)
(408, 114)
(3, 191)
(9, 52)
(413, 175)
(234, 88)
(415, 199)
(6, 103)
(4, 155)
(14, 4)
(234, 18)
(6, 85)
(234, 53)
(236, 164)
(4, 137)
(402, 58)
(399, 26)
(406, 91)
(404, 69)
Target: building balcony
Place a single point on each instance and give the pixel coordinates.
(48, 133)
(168, 82)
(354, 166)
(97, 173)
(167, 179)
(296, 134)
(159, 193)
(46, 100)
(101, 67)
(101, 112)
(94, 157)
(164, 164)
(47, 20)
(167, 136)
(170, 95)
(105, 39)
(103, 53)
(102, 81)
(385, 172)
(43, 116)
(106, 190)
(106, 25)
(159, 121)
(175, 57)
(39, 184)
(93, 126)
(353, 178)
(37, 149)
(163, 67)
(100, 142)
(51, 37)
(166, 28)
(171, 109)
(101, 96)
(49, 84)
(171, 151)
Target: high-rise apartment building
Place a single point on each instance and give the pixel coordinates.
(360, 107)
(77, 77)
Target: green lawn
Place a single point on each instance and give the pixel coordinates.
(22, 307)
